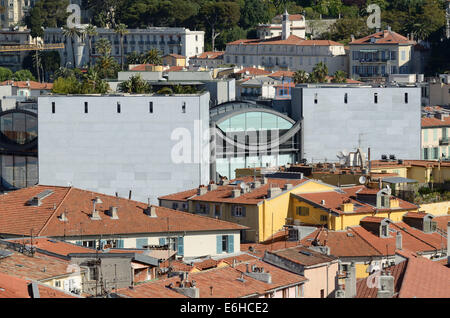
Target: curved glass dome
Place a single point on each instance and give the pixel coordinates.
(18, 127)
(255, 121)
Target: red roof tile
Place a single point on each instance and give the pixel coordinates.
(18, 218)
(253, 71)
(384, 37)
(55, 246)
(416, 277)
(442, 222)
(210, 55)
(303, 256)
(435, 122)
(32, 84)
(15, 287)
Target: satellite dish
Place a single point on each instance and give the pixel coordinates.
(362, 180)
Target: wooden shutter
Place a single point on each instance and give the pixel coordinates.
(230, 247)
(180, 247)
(219, 244)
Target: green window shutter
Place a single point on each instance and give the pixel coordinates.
(141, 242)
(120, 243)
(219, 244)
(102, 243)
(79, 243)
(230, 247)
(162, 241)
(180, 247)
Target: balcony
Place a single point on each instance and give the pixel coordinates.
(445, 141)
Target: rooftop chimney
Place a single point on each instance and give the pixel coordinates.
(256, 184)
(386, 285)
(212, 186)
(224, 181)
(260, 274)
(63, 217)
(113, 213)
(202, 190)
(235, 193)
(95, 215)
(398, 241)
(273, 191)
(350, 282)
(286, 26)
(151, 211)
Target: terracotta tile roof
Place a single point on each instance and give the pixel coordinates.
(178, 56)
(55, 246)
(241, 258)
(442, 222)
(363, 290)
(15, 287)
(435, 122)
(141, 67)
(303, 256)
(291, 40)
(155, 289)
(253, 71)
(224, 282)
(39, 267)
(334, 199)
(206, 264)
(341, 243)
(415, 215)
(210, 55)
(413, 239)
(384, 37)
(282, 73)
(371, 219)
(223, 193)
(295, 17)
(176, 266)
(19, 219)
(24, 84)
(180, 196)
(417, 277)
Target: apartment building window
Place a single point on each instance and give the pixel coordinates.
(150, 107)
(323, 218)
(90, 244)
(53, 107)
(85, 107)
(375, 98)
(93, 273)
(202, 208)
(315, 98)
(345, 98)
(302, 211)
(175, 206)
(118, 107)
(57, 283)
(238, 211)
(436, 153)
(183, 108)
(217, 210)
(403, 55)
(406, 98)
(425, 153)
(322, 293)
(224, 243)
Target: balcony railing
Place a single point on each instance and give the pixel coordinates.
(444, 141)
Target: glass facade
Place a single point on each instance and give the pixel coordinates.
(250, 124)
(18, 149)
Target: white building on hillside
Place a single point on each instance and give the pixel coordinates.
(151, 145)
(14, 11)
(286, 52)
(180, 41)
(297, 26)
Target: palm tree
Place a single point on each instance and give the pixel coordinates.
(339, 77)
(37, 62)
(153, 57)
(319, 73)
(134, 58)
(300, 76)
(121, 30)
(72, 33)
(90, 31)
(103, 47)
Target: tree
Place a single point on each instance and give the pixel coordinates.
(93, 84)
(153, 56)
(23, 75)
(252, 13)
(339, 77)
(121, 30)
(319, 73)
(300, 76)
(344, 28)
(135, 85)
(103, 47)
(105, 12)
(72, 33)
(5, 74)
(66, 85)
(219, 15)
(135, 58)
(90, 32)
(165, 91)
